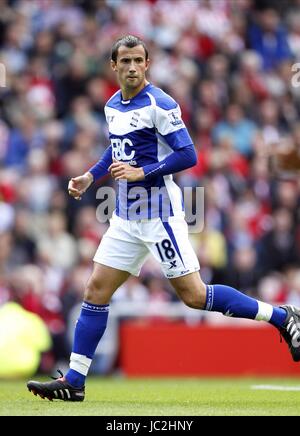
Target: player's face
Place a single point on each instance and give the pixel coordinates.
(131, 66)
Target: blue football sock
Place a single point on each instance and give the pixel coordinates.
(89, 330)
(230, 302)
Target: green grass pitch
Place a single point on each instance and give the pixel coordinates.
(162, 397)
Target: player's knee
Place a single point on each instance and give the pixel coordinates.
(95, 292)
(91, 290)
(194, 298)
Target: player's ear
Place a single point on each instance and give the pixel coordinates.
(113, 65)
(147, 64)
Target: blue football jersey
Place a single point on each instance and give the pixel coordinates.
(145, 130)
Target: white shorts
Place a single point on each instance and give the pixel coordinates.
(126, 244)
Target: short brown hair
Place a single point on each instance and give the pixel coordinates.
(129, 41)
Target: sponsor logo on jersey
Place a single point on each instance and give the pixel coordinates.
(173, 264)
(119, 149)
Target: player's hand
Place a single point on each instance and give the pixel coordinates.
(78, 185)
(123, 171)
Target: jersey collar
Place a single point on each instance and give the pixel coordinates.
(136, 96)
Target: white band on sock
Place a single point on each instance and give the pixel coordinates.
(80, 363)
(265, 311)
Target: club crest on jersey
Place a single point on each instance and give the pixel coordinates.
(135, 119)
(174, 118)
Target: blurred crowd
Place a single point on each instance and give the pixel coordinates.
(228, 63)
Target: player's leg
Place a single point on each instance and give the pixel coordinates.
(89, 330)
(190, 289)
(229, 301)
(179, 263)
(92, 321)
(225, 299)
(119, 254)
(102, 284)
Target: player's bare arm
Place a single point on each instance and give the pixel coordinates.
(123, 171)
(78, 185)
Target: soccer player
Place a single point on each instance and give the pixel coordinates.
(148, 143)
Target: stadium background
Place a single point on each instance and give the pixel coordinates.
(229, 65)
